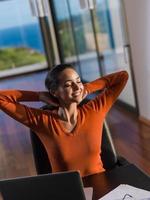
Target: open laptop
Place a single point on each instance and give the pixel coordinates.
(57, 186)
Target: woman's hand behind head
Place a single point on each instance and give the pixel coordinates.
(47, 98)
(85, 93)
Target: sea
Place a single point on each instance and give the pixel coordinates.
(22, 36)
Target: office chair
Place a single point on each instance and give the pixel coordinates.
(109, 156)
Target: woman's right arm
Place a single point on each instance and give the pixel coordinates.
(10, 103)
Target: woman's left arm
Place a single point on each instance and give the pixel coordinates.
(111, 85)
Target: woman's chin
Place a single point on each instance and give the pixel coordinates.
(78, 100)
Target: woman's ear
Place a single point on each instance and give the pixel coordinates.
(53, 93)
(54, 99)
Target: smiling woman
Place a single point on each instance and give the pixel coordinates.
(71, 134)
(64, 84)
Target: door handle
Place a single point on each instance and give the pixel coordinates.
(126, 49)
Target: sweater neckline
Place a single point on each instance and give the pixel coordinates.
(74, 130)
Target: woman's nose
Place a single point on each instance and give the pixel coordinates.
(75, 86)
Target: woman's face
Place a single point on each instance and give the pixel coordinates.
(70, 89)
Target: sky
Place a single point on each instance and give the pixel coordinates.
(18, 12)
(15, 13)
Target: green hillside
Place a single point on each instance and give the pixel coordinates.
(17, 57)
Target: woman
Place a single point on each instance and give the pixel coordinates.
(70, 133)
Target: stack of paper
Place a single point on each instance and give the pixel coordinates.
(88, 193)
(127, 192)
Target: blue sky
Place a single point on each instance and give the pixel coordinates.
(15, 13)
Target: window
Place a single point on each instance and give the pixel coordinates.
(20, 37)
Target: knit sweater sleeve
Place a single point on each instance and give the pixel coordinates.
(10, 103)
(111, 86)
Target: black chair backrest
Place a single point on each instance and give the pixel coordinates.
(41, 160)
(43, 166)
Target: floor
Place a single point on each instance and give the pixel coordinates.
(131, 137)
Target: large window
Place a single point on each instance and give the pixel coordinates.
(94, 39)
(20, 36)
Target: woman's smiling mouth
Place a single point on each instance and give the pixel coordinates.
(76, 94)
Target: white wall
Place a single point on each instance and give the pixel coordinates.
(138, 20)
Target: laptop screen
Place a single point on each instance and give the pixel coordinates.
(64, 185)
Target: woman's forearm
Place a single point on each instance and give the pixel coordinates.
(10, 104)
(114, 80)
(18, 96)
(111, 86)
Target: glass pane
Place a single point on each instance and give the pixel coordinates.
(64, 29)
(111, 40)
(20, 36)
(104, 36)
(85, 41)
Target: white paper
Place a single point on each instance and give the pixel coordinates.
(88, 191)
(119, 192)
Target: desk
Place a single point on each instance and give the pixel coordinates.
(103, 183)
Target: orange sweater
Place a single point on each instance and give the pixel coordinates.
(80, 149)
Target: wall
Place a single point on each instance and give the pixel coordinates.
(138, 21)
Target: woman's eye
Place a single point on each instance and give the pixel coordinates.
(68, 85)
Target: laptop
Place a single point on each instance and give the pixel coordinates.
(56, 186)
